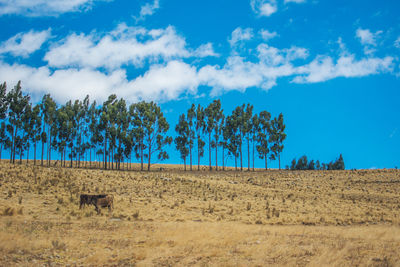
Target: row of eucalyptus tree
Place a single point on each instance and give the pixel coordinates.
(113, 132)
(230, 133)
(78, 130)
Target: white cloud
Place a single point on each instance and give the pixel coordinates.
(264, 7)
(148, 9)
(44, 7)
(239, 35)
(273, 56)
(324, 68)
(397, 42)
(24, 44)
(267, 35)
(368, 39)
(294, 1)
(163, 82)
(205, 50)
(125, 45)
(239, 74)
(160, 83)
(95, 64)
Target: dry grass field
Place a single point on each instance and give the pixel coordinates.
(176, 218)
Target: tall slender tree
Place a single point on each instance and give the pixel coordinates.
(213, 117)
(49, 108)
(232, 137)
(155, 127)
(263, 136)
(17, 105)
(246, 122)
(137, 112)
(4, 139)
(199, 129)
(36, 129)
(255, 126)
(191, 116)
(277, 137)
(182, 142)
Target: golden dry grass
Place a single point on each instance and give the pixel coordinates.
(178, 218)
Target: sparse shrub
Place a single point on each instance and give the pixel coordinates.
(259, 221)
(210, 208)
(8, 211)
(230, 211)
(248, 207)
(89, 213)
(135, 215)
(20, 200)
(58, 245)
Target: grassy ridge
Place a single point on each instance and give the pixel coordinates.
(172, 217)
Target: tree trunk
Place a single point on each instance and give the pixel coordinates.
(190, 152)
(253, 155)
(266, 159)
(184, 163)
(112, 158)
(149, 158)
(1, 149)
(216, 155)
(241, 157)
(14, 145)
(105, 150)
(223, 159)
(34, 154)
(141, 154)
(248, 153)
(49, 148)
(198, 154)
(235, 163)
(279, 158)
(71, 157)
(209, 149)
(42, 152)
(27, 155)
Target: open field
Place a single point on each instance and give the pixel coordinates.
(172, 217)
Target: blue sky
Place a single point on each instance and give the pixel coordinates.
(331, 67)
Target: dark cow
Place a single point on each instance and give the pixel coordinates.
(105, 202)
(86, 199)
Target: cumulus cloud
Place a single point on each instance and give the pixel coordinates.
(239, 35)
(125, 45)
(267, 35)
(368, 39)
(264, 7)
(163, 82)
(148, 9)
(96, 64)
(240, 74)
(160, 83)
(44, 7)
(24, 44)
(205, 50)
(274, 56)
(324, 68)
